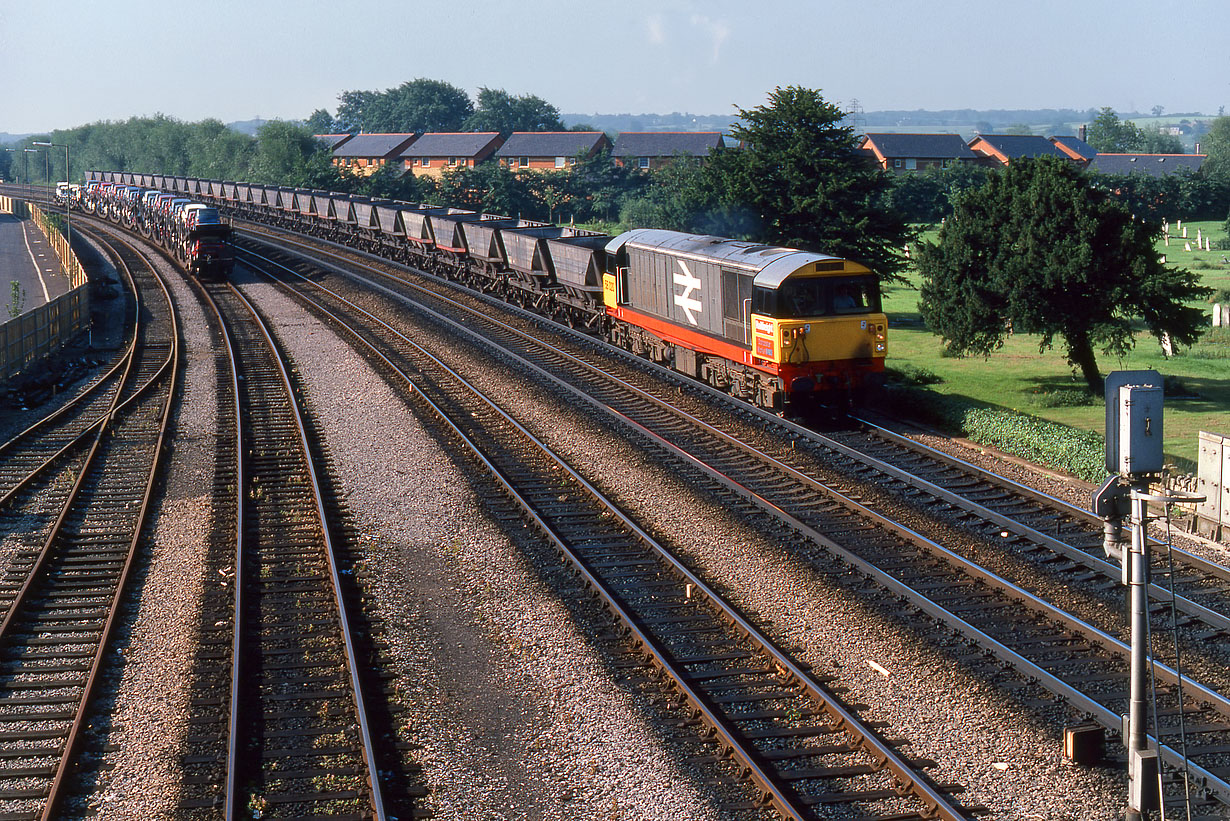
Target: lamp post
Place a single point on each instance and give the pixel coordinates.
(68, 179)
(14, 151)
(26, 164)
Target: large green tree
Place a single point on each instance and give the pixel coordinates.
(413, 107)
(1109, 134)
(1039, 250)
(802, 177)
(500, 111)
(1216, 143)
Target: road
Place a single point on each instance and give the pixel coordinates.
(27, 259)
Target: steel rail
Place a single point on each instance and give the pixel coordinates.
(329, 553)
(766, 781)
(79, 723)
(1198, 562)
(116, 372)
(231, 798)
(167, 369)
(1028, 668)
(1098, 636)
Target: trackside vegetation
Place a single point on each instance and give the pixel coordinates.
(796, 180)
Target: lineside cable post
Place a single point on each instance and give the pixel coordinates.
(1134, 404)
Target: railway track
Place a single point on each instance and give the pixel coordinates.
(799, 745)
(61, 599)
(771, 477)
(282, 725)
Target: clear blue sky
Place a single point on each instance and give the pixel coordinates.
(68, 62)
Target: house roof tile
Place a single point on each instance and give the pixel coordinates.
(1076, 144)
(1016, 146)
(373, 145)
(920, 146)
(1155, 165)
(666, 143)
(332, 140)
(442, 144)
(550, 143)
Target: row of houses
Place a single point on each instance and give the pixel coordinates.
(906, 153)
(433, 153)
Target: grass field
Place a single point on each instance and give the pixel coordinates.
(1018, 377)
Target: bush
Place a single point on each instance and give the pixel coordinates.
(1080, 453)
(1065, 398)
(1174, 388)
(910, 375)
(1059, 447)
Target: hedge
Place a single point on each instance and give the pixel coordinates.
(1080, 453)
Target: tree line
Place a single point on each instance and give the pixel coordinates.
(1016, 246)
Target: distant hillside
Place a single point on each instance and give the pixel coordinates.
(246, 126)
(616, 123)
(6, 138)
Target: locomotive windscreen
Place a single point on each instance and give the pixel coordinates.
(804, 297)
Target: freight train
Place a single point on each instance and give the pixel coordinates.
(193, 232)
(788, 330)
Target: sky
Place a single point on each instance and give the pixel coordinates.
(65, 63)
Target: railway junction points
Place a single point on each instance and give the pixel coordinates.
(508, 687)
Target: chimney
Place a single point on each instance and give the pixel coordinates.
(1080, 133)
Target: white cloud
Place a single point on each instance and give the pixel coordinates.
(657, 29)
(717, 30)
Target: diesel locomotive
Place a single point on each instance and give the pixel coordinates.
(788, 330)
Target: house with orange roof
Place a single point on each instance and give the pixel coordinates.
(434, 153)
(903, 153)
(365, 154)
(654, 149)
(549, 150)
(1075, 147)
(1002, 149)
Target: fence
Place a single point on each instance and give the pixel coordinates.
(41, 331)
(1213, 482)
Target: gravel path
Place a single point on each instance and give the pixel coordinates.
(138, 777)
(1007, 753)
(516, 713)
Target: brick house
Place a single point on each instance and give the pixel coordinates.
(434, 153)
(654, 149)
(365, 154)
(903, 153)
(1076, 148)
(1002, 149)
(549, 150)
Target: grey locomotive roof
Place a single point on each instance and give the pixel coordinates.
(373, 145)
(770, 264)
(550, 143)
(1015, 146)
(666, 143)
(451, 145)
(1155, 165)
(927, 146)
(1076, 144)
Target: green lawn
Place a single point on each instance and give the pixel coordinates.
(1019, 378)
